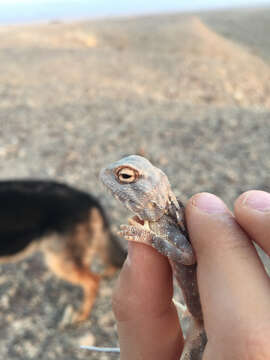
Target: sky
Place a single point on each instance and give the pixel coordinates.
(20, 11)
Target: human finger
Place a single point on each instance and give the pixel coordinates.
(252, 212)
(233, 285)
(147, 320)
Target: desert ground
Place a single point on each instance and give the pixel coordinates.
(189, 91)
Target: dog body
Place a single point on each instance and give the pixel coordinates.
(68, 225)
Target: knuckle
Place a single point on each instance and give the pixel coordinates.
(116, 303)
(120, 304)
(124, 305)
(241, 344)
(124, 299)
(255, 344)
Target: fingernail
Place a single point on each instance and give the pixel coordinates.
(258, 200)
(209, 203)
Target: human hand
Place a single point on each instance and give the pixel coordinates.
(234, 287)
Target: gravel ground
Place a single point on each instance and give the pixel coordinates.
(74, 97)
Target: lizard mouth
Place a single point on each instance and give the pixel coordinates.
(134, 220)
(137, 221)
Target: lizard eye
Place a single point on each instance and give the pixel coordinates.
(127, 175)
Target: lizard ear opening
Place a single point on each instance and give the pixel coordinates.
(126, 175)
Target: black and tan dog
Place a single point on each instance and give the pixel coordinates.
(68, 225)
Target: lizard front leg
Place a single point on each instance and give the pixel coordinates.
(143, 235)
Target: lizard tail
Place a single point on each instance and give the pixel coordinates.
(195, 342)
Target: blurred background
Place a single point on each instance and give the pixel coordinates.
(83, 83)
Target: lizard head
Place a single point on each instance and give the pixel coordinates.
(140, 186)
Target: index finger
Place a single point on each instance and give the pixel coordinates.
(234, 287)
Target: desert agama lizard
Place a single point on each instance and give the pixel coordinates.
(159, 221)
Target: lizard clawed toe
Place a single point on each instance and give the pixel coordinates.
(136, 233)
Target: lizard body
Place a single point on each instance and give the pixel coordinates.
(159, 221)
